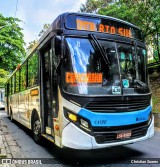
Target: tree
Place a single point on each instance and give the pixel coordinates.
(33, 43)
(144, 14)
(92, 6)
(45, 27)
(3, 77)
(11, 43)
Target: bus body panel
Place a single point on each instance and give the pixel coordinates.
(13, 106)
(116, 119)
(75, 138)
(22, 104)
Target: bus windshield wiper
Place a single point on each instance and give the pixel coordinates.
(140, 86)
(101, 50)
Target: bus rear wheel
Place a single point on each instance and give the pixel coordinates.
(36, 129)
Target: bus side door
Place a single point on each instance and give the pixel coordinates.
(46, 90)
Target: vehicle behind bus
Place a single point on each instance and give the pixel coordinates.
(85, 84)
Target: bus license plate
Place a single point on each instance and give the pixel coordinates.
(123, 135)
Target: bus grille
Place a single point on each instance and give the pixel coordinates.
(108, 136)
(118, 105)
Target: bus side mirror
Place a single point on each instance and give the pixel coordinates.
(57, 44)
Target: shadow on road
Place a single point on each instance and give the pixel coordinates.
(112, 155)
(119, 154)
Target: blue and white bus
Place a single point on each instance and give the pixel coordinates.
(85, 84)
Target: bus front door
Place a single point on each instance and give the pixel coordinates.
(47, 97)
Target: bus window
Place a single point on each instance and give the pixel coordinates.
(10, 86)
(23, 78)
(85, 71)
(127, 62)
(33, 70)
(17, 81)
(13, 87)
(142, 58)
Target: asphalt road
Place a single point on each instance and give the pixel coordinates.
(114, 156)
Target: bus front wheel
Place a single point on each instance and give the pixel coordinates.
(36, 128)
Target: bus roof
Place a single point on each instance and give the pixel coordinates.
(57, 23)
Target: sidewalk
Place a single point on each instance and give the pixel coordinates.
(5, 141)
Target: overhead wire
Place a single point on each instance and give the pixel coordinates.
(16, 9)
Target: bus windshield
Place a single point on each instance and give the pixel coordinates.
(86, 72)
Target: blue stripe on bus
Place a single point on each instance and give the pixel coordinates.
(115, 119)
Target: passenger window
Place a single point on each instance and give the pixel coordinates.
(10, 86)
(13, 90)
(17, 81)
(23, 77)
(33, 70)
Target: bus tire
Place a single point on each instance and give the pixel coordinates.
(36, 130)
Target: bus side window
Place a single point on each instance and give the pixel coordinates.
(33, 70)
(6, 92)
(23, 77)
(17, 81)
(13, 87)
(10, 86)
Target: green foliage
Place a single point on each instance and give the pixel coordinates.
(92, 6)
(145, 14)
(3, 77)
(156, 104)
(33, 43)
(151, 61)
(33, 70)
(11, 43)
(45, 27)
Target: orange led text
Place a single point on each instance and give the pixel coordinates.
(83, 77)
(91, 26)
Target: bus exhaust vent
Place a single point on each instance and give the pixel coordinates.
(110, 106)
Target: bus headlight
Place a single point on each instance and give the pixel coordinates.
(84, 123)
(77, 120)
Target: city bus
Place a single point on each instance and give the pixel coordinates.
(85, 84)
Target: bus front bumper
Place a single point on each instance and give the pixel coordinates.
(75, 138)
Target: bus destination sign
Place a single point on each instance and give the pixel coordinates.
(91, 26)
(104, 25)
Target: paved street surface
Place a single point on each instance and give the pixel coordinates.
(18, 143)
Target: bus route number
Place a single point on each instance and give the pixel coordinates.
(100, 122)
